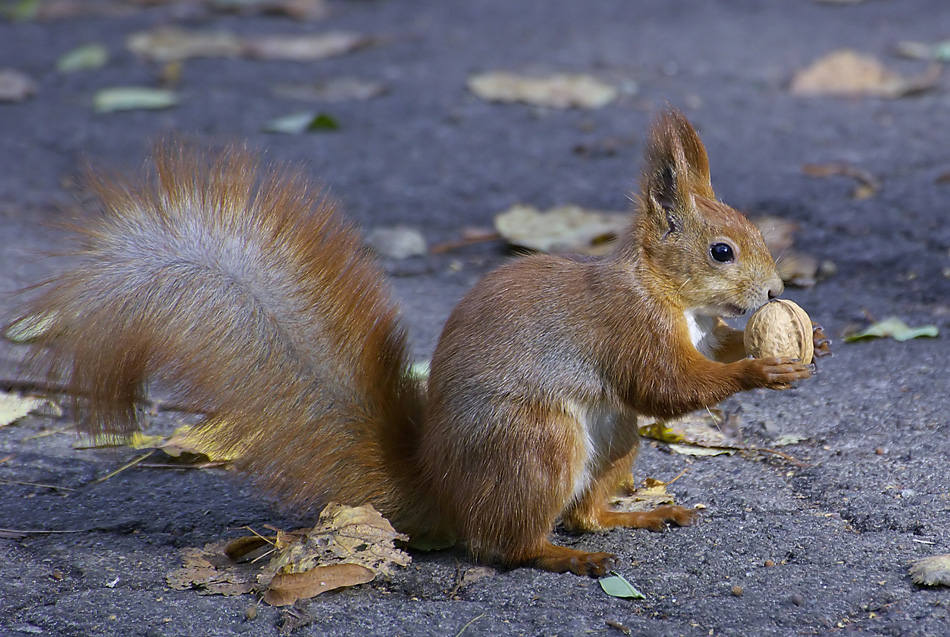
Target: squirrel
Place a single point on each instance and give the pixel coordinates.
(240, 288)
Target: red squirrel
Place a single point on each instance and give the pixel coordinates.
(242, 290)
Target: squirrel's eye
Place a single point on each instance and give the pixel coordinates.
(722, 252)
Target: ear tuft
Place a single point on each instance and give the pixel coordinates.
(676, 164)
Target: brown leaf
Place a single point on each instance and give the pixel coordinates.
(849, 73)
(248, 548)
(287, 588)
(210, 572)
(798, 269)
(779, 233)
(355, 535)
(868, 184)
(170, 44)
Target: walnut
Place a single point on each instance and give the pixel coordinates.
(780, 328)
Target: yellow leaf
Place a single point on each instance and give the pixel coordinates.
(560, 90)
(562, 229)
(13, 407)
(848, 73)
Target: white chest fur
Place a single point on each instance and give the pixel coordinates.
(701, 332)
(606, 432)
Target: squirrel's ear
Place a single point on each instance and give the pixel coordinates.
(676, 166)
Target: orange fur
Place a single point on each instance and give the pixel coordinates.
(243, 291)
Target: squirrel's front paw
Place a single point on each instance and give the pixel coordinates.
(780, 373)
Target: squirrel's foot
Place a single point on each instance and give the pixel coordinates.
(561, 559)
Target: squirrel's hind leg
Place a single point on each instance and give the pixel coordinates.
(591, 512)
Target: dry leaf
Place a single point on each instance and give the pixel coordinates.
(868, 185)
(137, 440)
(932, 571)
(171, 44)
(562, 229)
(200, 441)
(285, 589)
(779, 233)
(15, 86)
(349, 545)
(14, 406)
(849, 73)
(296, 9)
(648, 497)
(343, 535)
(706, 428)
(342, 89)
(209, 572)
(796, 268)
(556, 91)
(398, 242)
(303, 48)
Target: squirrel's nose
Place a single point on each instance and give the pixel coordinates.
(775, 288)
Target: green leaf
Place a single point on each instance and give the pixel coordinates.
(323, 122)
(299, 123)
(616, 585)
(127, 98)
(83, 58)
(895, 328)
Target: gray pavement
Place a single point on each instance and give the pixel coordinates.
(841, 532)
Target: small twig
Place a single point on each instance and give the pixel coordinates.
(795, 461)
(470, 622)
(40, 531)
(678, 476)
(7, 458)
(127, 465)
(36, 484)
(259, 536)
(448, 246)
(168, 465)
(48, 433)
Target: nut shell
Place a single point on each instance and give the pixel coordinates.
(780, 328)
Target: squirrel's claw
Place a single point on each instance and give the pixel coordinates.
(822, 342)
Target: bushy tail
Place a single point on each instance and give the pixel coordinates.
(243, 292)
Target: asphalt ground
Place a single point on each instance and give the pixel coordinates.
(839, 533)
